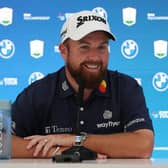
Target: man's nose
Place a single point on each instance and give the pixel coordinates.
(94, 54)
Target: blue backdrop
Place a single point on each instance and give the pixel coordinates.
(29, 38)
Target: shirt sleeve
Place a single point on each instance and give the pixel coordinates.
(23, 114)
(135, 114)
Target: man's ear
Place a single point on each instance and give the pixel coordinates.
(64, 51)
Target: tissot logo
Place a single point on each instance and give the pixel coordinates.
(82, 19)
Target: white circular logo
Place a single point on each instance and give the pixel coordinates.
(107, 114)
(160, 81)
(101, 12)
(35, 76)
(7, 49)
(129, 49)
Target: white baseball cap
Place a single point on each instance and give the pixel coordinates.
(82, 23)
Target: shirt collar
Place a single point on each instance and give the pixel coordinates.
(66, 90)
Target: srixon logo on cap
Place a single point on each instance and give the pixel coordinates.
(82, 19)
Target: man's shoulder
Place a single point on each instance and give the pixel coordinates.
(123, 81)
(42, 89)
(47, 84)
(48, 80)
(120, 76)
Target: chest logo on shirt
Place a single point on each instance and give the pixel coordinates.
(103, 86)
(107, 114)
(50, 129)
(65, 86)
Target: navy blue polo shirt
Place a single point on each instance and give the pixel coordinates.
(49, 106)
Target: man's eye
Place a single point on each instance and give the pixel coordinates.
(102, 47)
(84, 47)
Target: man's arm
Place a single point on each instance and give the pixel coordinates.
(19, 150)
(137, 144)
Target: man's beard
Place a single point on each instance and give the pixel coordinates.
(90, 80)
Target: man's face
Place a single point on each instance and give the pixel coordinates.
(87, 59)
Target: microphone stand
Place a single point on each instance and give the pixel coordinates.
(76, 153)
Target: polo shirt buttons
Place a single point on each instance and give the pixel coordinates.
(81, 108)
(81, 122)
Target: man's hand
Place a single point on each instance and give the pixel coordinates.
(42, 144)
(61, 142)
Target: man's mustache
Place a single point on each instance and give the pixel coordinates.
(98, 63)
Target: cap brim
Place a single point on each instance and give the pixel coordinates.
(112, 36)
(83, 33)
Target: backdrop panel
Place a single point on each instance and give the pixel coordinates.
(29, 38)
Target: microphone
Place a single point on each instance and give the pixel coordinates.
(80, 92)
(76, 153)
